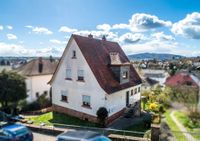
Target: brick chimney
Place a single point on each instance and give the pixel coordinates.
(104, 38)
(90, 35)
(40, 65)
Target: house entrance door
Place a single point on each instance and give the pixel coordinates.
(127, 98)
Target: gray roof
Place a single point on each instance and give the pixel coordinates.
(32, 67)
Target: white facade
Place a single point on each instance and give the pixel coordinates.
(76, 89)
(37, 85)
(158, 75)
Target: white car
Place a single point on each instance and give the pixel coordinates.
(81, 136)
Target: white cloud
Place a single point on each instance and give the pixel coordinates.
(162, 37)
(9, 27)
(142, 22)
(19, 50)
(131, 38)
(150, 46)
(1, 27)
(188, 27)
(97, 34)
(121, 26)
(11, 37)
(41, 30)
(13, 50)
(67, 29)
(29, 26)
(105, 27)
(21, 42)
(54, 41)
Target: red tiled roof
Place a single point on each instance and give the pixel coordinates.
(96, 53)
(180, 79)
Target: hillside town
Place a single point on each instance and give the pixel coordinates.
(133, 80)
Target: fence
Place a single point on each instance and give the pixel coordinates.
(112, 133)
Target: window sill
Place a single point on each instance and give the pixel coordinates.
(68, 79)
(88, 107)
(64, 101)
(80, 80)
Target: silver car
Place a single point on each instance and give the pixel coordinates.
(81, 136)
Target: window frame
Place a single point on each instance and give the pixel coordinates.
(126, 74)
(80, 77)
(66, 74)
(85, 103)
(74, 54)
(64, 96)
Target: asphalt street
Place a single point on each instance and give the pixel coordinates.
(42, 137)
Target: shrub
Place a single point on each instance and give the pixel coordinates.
(102, 114)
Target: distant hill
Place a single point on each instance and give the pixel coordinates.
(157, 56)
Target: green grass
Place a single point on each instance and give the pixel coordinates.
(52, 117)
(174, 127)
(184, 119)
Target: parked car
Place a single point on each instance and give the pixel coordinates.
(81, 136)
(17, 118)
(15, 132)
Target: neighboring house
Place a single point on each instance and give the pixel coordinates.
(158, 75)
(94, 73)
(148, 84)
(183, 78)
(38, 73)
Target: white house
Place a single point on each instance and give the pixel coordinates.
(158, 75)
(38, 73)
(94, 73)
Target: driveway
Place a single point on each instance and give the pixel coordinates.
(42, 137)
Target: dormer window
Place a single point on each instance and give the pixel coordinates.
(125, 75)
(74, 54)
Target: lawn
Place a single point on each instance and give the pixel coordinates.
(174, 127)
(52, 118)
(184, 119)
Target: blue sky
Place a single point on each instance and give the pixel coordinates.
(43, 27)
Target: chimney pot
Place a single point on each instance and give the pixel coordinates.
(104, 38)
(90, 36)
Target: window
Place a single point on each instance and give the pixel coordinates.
(86, 100)
(64, 96)
(125, 75)
(74, 54)
(131, 92)
(81, 75)
(68, 74)
(138, 89)
(37, 94)
(135, 90)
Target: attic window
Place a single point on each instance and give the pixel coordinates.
(125, 75)
(74, 54)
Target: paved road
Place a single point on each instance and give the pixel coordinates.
(42, 137)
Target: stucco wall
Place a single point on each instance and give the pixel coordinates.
(117, 101)
(75, 88)
(37, 84)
